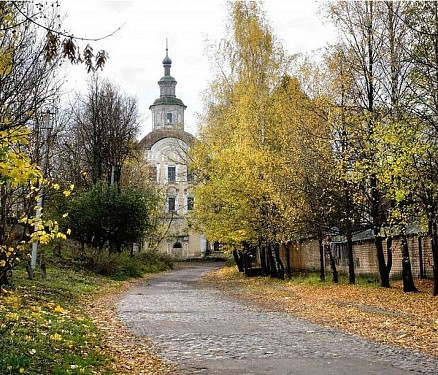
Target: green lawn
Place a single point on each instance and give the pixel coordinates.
(44, 328)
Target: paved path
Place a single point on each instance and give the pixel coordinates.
(205, 332)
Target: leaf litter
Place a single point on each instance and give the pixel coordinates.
(132, 354)
(389, 316)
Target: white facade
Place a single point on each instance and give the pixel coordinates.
(166, 152)
(168, 118)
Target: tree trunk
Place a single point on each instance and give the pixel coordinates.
(277, 260)
(246, 263)
(377, 213)
(271, 257)
(321, 260)
(435, 280)
(433, 229)
(29, 271)
(288, 265)
(420, 258)
(351, 272)
(333, 265)
(5, 276)
(43, 269)
(238, 259)
(408, 280)
(384, 267)
(263, 260)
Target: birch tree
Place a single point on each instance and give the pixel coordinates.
(421, 18)
(372, 36)
(235, 159)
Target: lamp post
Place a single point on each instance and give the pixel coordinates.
(45, 132)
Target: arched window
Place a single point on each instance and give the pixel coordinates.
(171, 203)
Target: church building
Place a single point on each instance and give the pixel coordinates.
(166, 148)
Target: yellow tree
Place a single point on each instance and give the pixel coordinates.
(235, 200)
(303, 145)
(24, 79)
(373, 61)
(260, 135)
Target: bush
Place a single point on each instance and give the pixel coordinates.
(115, 265)
(105, 215)
(118, 266)
(230, 262)
(122, 265)
(155, 261)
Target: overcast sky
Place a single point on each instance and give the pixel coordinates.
(137, 50)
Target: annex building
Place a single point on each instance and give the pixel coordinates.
(165, 149)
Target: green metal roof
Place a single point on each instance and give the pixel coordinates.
(166, 79)
(168, 100)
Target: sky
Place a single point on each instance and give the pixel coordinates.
(137, 50)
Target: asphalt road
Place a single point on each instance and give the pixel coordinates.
(204, 331)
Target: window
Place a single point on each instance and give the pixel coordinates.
(171, 174)
(190, 176)
(169, 117)
(171, 204)
(190, 203)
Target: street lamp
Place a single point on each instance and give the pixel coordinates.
(45, 131)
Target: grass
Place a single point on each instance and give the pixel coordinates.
(122, 266)
(44, 327)
(313, 278)
(44, 331)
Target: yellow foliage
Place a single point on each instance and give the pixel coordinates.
(18, 171)
(58, 309)
(253, 147)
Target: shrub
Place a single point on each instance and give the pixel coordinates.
(122, 265)
(155, 261)
(230, 262)
(105, 215)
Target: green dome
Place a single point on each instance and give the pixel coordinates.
(167, 60)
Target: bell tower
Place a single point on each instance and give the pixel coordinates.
(167, 110)
(165, 149)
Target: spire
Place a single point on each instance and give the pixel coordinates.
(167, 110)
(167, 83)
(167, 62)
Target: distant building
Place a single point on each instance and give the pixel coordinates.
(166, 152)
